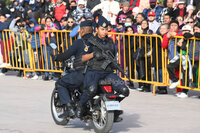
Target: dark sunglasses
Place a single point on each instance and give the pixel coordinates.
(70, 22)
(189, 22)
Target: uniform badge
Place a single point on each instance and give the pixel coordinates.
(104, 24)
(86, 48)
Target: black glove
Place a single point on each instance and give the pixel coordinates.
(98, 55)
(197, 35)
(188, 35)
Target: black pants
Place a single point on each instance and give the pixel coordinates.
(141, 69)
(194, 70)
(67, 83)
(174, 65)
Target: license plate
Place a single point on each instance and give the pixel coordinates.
(112, 105)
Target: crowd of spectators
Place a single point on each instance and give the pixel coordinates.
(167, 18)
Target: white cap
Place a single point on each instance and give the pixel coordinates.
(136, 10)
(190, 7)
(181, 2)
(81, 2)
(187, 27)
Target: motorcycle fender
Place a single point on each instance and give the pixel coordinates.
(112, 105)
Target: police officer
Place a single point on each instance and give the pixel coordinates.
(96, 72)
(74, 79)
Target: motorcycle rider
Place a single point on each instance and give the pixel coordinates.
(76, 78)
(95, 71)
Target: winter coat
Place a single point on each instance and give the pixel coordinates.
(60, 12)
(35, 39)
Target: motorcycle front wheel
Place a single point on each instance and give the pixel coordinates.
(57, 109)
(102, 120)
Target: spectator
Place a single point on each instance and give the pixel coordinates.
(135, 12)
(75, 30)
(34, 39)
(17, 51)
(4, 24)
(129, 49)
(123, 14)
(153, 24)
(157, 59)
(196, 55)
(60, 10)
(110, 10)
(153, 7)
(80, 11)
(173, 31)
(139, 19)
(144, 58)
(175, 63)
(49, 43)
(167, 19)
(190, 22)
(180, 10)
(180, 21)
(167, 10)
(189, 12)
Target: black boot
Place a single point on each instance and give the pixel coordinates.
(131, 85)
(68, 111)
(117, 113)
(79, 111)
(19, 74)
(161, 90)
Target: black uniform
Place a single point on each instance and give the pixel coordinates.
(73, 79)
(96, 72)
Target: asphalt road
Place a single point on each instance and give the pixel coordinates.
(25, 108)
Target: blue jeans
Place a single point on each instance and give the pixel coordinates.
(47, 61)
(159, 76)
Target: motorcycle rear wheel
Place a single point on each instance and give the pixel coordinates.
(57, 109)
(102, 123)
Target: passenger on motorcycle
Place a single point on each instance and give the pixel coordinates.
(74, 79)
(95, 71)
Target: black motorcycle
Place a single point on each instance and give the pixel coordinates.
(99, 111)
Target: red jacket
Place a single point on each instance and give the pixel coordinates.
(60, 12)
(165, 41)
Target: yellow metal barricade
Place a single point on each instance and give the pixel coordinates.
(186, 64)
(15, 50)
(129, 45)
(19, 52)
(49, 44)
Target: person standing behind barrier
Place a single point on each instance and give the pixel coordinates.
(170, 44)
(153, 24)
(49, 43)
(157, 53)
(141, 61)
(35, 45)
(129, 47)
(175, 63)
(18, 49)
(195, 68)
(139, 18)
(4, 24)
